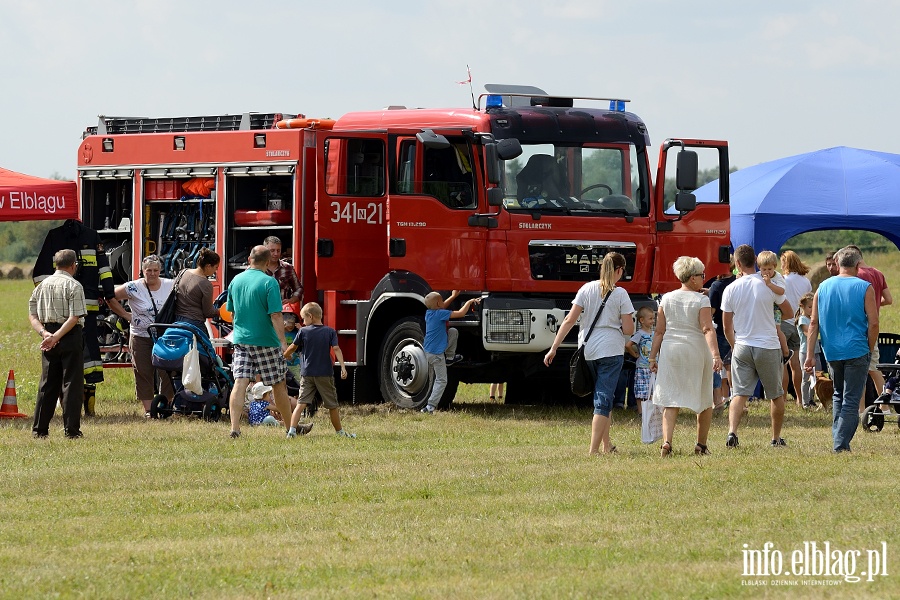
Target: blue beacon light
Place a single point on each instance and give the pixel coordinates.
(493, 101)
(617, 105)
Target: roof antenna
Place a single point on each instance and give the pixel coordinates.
(469, 81)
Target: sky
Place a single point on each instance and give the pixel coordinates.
(773, 78)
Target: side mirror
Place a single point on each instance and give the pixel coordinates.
(686, 170)
(495, 197)
(430, 139)
(685, 202)
(509, 149)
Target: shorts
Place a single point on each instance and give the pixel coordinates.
(324, 385)
(606, 373)
(265, 361)
(724, 348)
(875, 357)
(791, 335)
(642, 383)
(750, 364)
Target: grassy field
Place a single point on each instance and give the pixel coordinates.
(486, 501)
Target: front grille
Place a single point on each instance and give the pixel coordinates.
(560, 260)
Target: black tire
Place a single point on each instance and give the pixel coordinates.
(159, 408)
(212, 410)
(405, 378)
(872, 419)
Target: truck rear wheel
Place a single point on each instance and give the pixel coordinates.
(405, 377)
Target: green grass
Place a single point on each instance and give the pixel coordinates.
(483, 501)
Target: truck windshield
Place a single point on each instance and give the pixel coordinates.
(602, 179)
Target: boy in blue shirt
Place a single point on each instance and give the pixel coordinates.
(440, 342)
(315, 342)
(639, 347)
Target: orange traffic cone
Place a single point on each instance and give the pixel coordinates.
(10, 408)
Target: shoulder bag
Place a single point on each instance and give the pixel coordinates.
(167, 313)
(581, 376)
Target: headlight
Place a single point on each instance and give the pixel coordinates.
(508, 327)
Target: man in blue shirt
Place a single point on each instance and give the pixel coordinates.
(254, 298)
(845, 311)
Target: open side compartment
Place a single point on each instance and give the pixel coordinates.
(260, 203)
(179, 220)
(107, 198)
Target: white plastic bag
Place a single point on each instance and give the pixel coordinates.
(190, 371)
(651, 417)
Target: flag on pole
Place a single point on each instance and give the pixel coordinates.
(469, 80)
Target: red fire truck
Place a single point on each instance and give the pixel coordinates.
(515, 200)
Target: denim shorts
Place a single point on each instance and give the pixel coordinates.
(607, 376)
(724, 348)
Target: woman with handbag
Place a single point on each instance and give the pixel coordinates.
(685, 341)
(194, 301)
(146, 296)
(608, 309)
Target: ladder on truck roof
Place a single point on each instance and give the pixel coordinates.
(246, 121)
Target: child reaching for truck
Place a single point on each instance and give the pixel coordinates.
(440, 342)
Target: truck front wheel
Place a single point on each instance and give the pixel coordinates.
(405, 377)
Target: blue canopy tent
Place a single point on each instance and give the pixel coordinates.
(835, 188)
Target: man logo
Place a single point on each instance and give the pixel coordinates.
(584, 261)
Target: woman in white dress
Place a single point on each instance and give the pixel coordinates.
(687, 352)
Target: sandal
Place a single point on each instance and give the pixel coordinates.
(665, 450)
(493, 399)
(700, 449)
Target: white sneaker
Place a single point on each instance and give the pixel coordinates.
(427, 409)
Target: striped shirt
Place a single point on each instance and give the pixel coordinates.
(56, 298)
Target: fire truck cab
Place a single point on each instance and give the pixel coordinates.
(516, 202)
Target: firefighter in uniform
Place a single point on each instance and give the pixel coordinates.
(94, 275)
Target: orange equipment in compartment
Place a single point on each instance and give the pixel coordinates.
(251, 218)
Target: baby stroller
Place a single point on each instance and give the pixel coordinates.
(171, 342)
(873, 418)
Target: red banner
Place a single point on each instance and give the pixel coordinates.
(27, 198)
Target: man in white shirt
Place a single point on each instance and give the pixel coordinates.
(749, 321)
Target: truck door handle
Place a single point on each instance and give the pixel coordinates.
(325, 248)
(397, 247)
